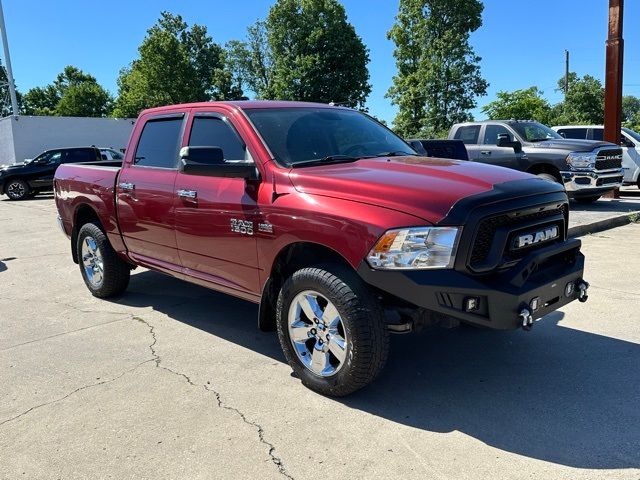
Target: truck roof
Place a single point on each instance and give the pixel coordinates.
(242, 104)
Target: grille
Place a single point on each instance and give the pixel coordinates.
(609, 159)
(488, 227)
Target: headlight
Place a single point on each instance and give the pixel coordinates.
(581, 160)
(415, 248)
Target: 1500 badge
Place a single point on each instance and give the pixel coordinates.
(244, 227)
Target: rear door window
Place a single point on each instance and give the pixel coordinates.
(158, 145)
(79, 155)
(468, 134)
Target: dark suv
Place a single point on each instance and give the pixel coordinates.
(33, 176)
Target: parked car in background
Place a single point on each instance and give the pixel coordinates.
(111, 154)
(26, 179)
(630, 146)
(586, 168)
(452, 149)
(329, 221)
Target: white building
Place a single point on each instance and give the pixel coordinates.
(23, 137)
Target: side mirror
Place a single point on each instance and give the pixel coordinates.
(627, 143)
(209, 161)
(504, 140)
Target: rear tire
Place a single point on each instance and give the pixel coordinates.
(104, 273)
(591, 199)
(352, 342)
(17, 189)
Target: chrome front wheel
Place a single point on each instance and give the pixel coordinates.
(317, 333)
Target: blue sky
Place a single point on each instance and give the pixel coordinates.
(521, 42)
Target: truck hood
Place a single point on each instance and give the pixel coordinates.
(421, 186)
(572, 145)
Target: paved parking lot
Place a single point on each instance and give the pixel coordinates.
(174, 381)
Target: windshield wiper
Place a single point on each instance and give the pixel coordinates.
(541, 139)
(325, 160)
(397, 153)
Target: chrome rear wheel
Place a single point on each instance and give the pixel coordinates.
(92, 261)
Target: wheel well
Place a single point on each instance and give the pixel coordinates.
(84, 214)
(291, 258)
(545, 168)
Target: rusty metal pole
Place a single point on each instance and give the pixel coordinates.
(613, 78)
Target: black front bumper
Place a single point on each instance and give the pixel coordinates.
(544, 273)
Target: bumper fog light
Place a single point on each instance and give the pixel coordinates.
(471, 304)
(534, 304)
(569, 289)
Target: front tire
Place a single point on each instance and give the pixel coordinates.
(591, 199)
(17, 189)
(103, 272)
(331, 329)
(550, 177)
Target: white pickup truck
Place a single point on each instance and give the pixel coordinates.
(630, 146)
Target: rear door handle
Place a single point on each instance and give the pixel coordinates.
(126, 186)
(485, 152)
(191, 194)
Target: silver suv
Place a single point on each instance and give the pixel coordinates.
(586, 168)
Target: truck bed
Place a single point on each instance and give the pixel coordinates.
(82, 184)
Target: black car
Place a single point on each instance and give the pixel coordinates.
(33, 176)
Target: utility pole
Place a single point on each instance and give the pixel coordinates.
(613, 77)
(5, 44)
(566, 73)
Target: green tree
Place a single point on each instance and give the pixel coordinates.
(5, 98)
(260, 59)
(631, 112)
(584, 102)
(520, 104)
(251, 62)
(438, 76)
(313, 54)
(72, 93)
(177, 64)
(87, 99)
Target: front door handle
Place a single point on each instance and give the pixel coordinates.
(191, 194)
(126, 186)
(485, 152)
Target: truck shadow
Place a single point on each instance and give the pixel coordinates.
(555, 394)
(623, 205)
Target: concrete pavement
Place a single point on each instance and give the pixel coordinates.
(175, 381)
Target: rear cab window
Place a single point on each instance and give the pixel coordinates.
(576, 133)
(597, 134)
(468, 135)
(159, 142)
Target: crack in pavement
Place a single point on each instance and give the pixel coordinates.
(65, 333)
(79, 389)
(277, 461)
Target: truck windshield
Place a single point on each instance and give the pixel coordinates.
(534, 131)
(632, 134)
(302, 135)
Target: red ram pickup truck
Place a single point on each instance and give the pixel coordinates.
(329, 221)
